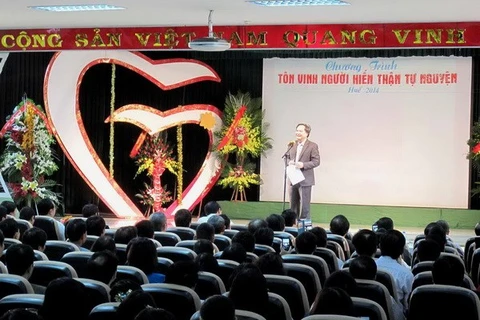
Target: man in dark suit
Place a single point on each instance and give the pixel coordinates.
(305, 156)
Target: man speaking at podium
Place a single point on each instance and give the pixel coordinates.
(304, 155)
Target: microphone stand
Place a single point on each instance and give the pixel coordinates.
(285, 158)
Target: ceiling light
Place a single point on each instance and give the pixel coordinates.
(298, 3)
(79, 7)
(210, 43)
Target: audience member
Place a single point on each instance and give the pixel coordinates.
(227, 221)
(305, 243)
(28, 214)
(385, 223)
(264, 236)
(235, 252)
(365, 243)
(428, 250)
(207, 262)
(10, 229)
(46, 207)
(121, 288)
(77, 233)
(183, 273)
(446, 227)
(134, 303)
(11, 208)
(35, 238)
(448, 270)
(217, 307)
(340, 225)
(435, 232)
(3, 213)
(363, 267)
(477, 229)
(290, 217)
(104, 243)
(141, 253)
(155, 314)
(218, 224)
(159, 221)
(210, 209)
(203, 246)
(342, 280)
(333, 301)
(270, 263)
(89, 210)
(246, 239)
(205, 231)
(183, 218)
(145, 229)
(19, 259)
(321, 236)
(256, 224)
(124, 235)
(20, 314)
(102, 266)
(275, 222)
(96, 226)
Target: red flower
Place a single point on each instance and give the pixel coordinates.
(476, 149)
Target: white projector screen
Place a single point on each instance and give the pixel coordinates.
(384, 139)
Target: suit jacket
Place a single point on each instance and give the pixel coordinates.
(310, 157)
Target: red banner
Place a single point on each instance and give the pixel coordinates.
(414, 35)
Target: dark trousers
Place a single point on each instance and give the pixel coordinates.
(300, 198)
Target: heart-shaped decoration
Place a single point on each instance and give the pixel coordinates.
(62, 83)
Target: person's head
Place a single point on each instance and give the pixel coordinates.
(205, 231)
(270, 263)
(121, 288)
(305, 243)
(10, 229)
(133, 304)
(256, 224)
(155, 314)
(3, 213)
(203, 246)
(235, 252)
(28, 214)
(264, 236)
(249, 289)
(183, 218)
(159, 221)
(76, 231)
(46, 207)
(365, 242)
(89, 210)
(62, 296)
(212, 207)
(321, 236)
(102, 266)
(20, 314)
(275, 222)
(444, 225)
(183, 273)
(145, 229)
(392, 244)
(11, 207)
(437, 234)
(227, 220)
(123, 235)
(104, 243)
(385, 223)
(141, 253)
(218, 224)
(428, 250)
(95, 226)
(339, 225)
(428, 227)
(290, 217)
(302, 131)
(19, 259)
(333, 301)
(207, 262)
(246, 239)
(35, 238)
(217, 307)
(448, 270)
(343, 280)
(363, 267)
(477, 229)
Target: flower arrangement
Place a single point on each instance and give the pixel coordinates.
(242, 136)
(474, 154)
(153, 157)
(28, 158)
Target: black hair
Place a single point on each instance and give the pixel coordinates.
(205, 231)
(339, 225)
(290, 217)
(306, 243)
(102, 266)
(235, 252)
(246, 239)
(19, 258)
(145, 229)
(95, 225)
(264, 236)
(321, 236)
(44, 206)
(89, 210)
(183, 218)
(26, 213)
(275, 222)
(365, 242)
(123, 235)
(211, 207)
(75, 229)
(9, 227)
(35, 238)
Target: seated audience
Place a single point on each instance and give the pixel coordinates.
(11, 208)
(305, 243)
(321, 236)
(10, 229)
(342, 280)
(35, 238)
(145, 229)
(246, 239)
(3, 213)
(270, 263)
(383, 225)
(218, 224)
(124, 235)
(446, 227)
(275, 222)
(134, 303)
(435, 232)
(227, 220)
(205, 231)
(159, 221)
(46, 207)
(183, 273)
(210, 209)
(120, 289)
(63, 297)
(428, 250)
(77, 233)
(477, 229)
(207, 262)
(141, 253)
(217, 307)
(340, 225)
(89, 210)
(19, 259)
(155, 314)
(256, 224)
(28, 214)
(96, 226)
(102, 266)
(290, 217)
(183, 218)
(333, 301)
(21, 314)
(235, 252)
(203, 246)
(104, 243)
(264, 236)
(365, 243)
(448, 270)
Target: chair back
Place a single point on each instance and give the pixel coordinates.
(55, 249)
(132, 273)
(167, 239)
(21, 300)
(7, 242)
(292, 230)
(104, 311)
(443, 302)
(121, 252)
(365, 308)
(342, 242)
(278, 308)
(277, 245)
(183, 302)
(222, 241)
(13, 284)
(23, 225)
(307, 276)
(78, 260)
(230, 233)
(421, 279)
(337, 249)
(239, 227)
(46, 271)
(162, 265)
(97, 291)
(292, 291)
(189, 244)
(239, 315)
(40, 256)
(468, 256)
(475, 267)
(89, 242)
(329, 256)
(176, 253)
(422, 267)
(225, 270)
(183, 232)
(387, 279)
(286, 238)
(317, 263)
(110, 232)
(49, 225)
(375, 291)
(329, 317)
(3, 268)
(261, 249)
(209, 284)
(251, 257)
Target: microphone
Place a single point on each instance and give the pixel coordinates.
(291, 143)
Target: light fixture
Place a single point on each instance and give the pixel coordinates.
(210, 43)
(299, 3)
(78, 7)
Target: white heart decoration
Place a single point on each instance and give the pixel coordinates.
(62, 82)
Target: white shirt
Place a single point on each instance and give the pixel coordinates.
(403, 277)
(205, 218)
(299, 151)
